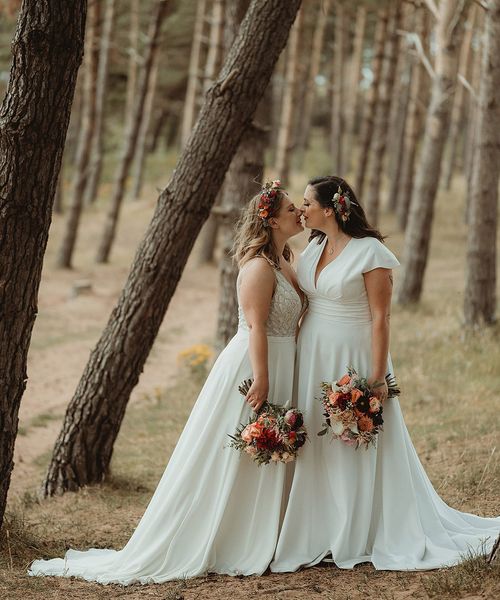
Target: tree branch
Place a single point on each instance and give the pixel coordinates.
(413, 39)
(431, 5)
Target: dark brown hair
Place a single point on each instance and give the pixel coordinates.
(357, 225)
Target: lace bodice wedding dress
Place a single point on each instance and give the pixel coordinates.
(376, 505)
(213, 510)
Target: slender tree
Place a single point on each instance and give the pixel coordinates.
(379, 140)
(481, 272)
(84, 447)
(65, 254)
(133, 58)
(101, 87)
(132, 134)
(338, 87)
(47, 51)
(285, 140)
(372, 99)
(193, 84)
(418, 231)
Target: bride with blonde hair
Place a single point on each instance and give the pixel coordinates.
(214, 511)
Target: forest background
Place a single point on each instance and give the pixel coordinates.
(399, 98)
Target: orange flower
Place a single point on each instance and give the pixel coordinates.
(344, 381)
(355, 394)
(254, 429)
(365, 424)
(264, 214)
(333, 397)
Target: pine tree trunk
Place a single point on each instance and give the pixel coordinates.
(132, 134)
(316, 54)
(144, 128)
(418, 231)
(101, 86)
(459, 101)
(285, 136)
(84, 447)
(193, 84)
(417, 100)
(379, 141)
(133, 59)
(352, 108)
(47, 51)
(372, 100)
(480, 284)
(337, 115)
(65, 254)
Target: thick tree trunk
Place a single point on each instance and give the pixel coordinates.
(372, 100)
(481, 273)
(316, 53)
(193, 84)
(418, 232)
(457, 113)
(83, 450)
(352, 108)
(133, 59)
(285, 135)
(101, 86)
(132, 134)
(65, 255)
(338, 83)
(144, 128)
(379, 141)
(47, 51)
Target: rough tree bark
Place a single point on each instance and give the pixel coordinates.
(480, 282)
(132, 133)
(65, 254)
(101, 86)
(84, 447)
(47, 51)
(285, 140)
(372, 100)
(380, 132)
(418, 231)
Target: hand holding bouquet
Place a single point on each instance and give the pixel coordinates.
(274, 434)
(352, 410)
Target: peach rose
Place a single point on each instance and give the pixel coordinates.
(365, 424)
(275, 457)
(375, 404)
(252, 450)
(333, 397)
(355, 394)
(344, 381)
(255, 429)
(245, 435)
(286, 457)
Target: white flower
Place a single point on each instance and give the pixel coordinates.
(275, 456)
(337, 427)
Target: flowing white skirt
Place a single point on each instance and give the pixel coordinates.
(374, 506)
(213, 510)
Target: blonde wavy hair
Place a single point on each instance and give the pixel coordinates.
(253, 238)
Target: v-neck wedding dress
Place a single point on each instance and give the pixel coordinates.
(376, 505)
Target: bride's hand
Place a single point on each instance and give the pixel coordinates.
(380, 391)
(257, 394)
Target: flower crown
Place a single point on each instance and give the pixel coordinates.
(342, 204)
(268, 196)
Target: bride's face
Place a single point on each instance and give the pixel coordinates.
(288, 219)
(315, 216)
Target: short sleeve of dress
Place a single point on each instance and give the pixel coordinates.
(377, 255)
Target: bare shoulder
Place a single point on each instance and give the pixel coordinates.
(257, 271)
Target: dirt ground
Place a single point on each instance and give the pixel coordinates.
(67, 328)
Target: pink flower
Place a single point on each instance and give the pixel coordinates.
(252, 450)
(375, 404)
(246, 435)
(291, 418)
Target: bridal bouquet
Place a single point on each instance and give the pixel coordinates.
(352, 412)
(274, 434)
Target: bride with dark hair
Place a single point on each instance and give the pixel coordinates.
(377, 505)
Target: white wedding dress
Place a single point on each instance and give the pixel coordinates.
(214, 510)
(376, 505)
